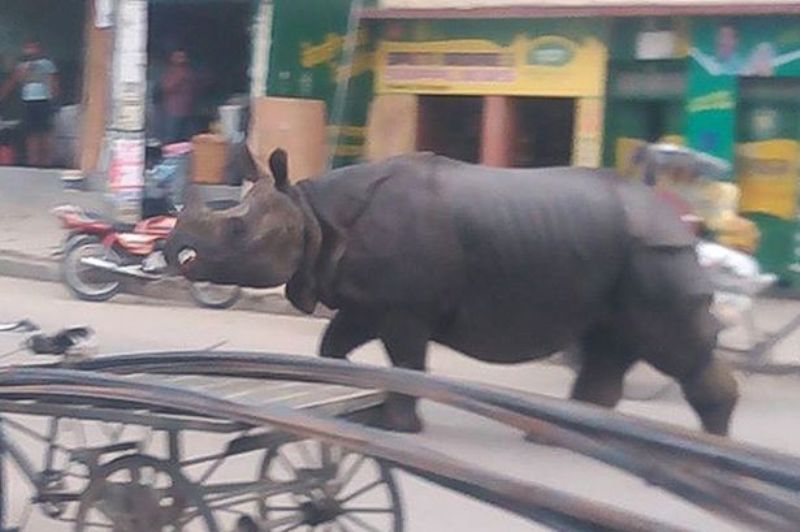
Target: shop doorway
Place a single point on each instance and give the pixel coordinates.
(215, 36)
(59, 29)
(545, 129)
(451, 126)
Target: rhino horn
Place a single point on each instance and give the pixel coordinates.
(279, 166)
(251, 168)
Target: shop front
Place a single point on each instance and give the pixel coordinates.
(504, 92)
(215, 38)
(59, 28)
(743, 104)
(319, 54)
(646, 86)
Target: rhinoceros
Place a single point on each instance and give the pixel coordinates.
(503, 265)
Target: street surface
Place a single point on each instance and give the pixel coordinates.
(767, 414)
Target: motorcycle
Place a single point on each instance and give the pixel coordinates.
(100, 254)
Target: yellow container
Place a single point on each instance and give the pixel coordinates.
(297, 126)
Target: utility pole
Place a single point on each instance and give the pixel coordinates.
(125, 130)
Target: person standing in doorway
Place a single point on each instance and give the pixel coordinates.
(178, 87)
(36, 76)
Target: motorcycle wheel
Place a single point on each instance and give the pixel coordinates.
(214, 296)
(84, 282)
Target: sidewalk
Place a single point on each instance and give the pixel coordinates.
(29, 235)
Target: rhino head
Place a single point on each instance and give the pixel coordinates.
(259, 243)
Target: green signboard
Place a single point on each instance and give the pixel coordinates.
(733, 113)
(723, 52)
(308, 43)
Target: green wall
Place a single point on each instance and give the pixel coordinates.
(306, 53)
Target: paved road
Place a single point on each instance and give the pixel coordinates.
(767, 415)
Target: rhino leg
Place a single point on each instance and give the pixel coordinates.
(406, 340)
(681, 345)
(347, 331)
(712, 392)
(606, 358)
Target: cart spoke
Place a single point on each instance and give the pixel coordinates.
(281, 508)
(366, 510)
(292, 527)
(350, 474)
(363, 525)
(361, 491)
(342, 526)
(289, 466)
(292, 521)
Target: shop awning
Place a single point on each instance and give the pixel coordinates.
(479, 9)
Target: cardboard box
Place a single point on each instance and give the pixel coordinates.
(209, 159)
(298, 126)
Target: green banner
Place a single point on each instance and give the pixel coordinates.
(722, 52)
(308, 42)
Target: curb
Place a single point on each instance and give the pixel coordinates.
(174, 290)
(24, 267)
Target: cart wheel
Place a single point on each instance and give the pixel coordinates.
(338, 490)
(139, 493)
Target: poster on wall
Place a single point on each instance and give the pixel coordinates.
(750, 50)
(721, 53)
(126, 172)
(103, 13)
(126, 133)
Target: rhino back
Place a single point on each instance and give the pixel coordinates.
(500, 258)
(543, 253)
(395, 235)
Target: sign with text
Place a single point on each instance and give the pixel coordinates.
(502, 57)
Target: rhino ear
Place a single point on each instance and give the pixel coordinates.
(279, 166)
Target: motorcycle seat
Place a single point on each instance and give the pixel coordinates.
(118, 226)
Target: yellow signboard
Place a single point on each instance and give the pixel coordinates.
(542, 66)
(768, 173)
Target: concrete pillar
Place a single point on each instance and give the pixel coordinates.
(261, 44)
(392, 126)
(498, 131)
(125, 131)
(96, 92)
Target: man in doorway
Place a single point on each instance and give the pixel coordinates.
(178, 88)
(36, 76)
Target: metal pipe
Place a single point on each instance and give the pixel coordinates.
(760, 463)
(660, 472)
(550, 507)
